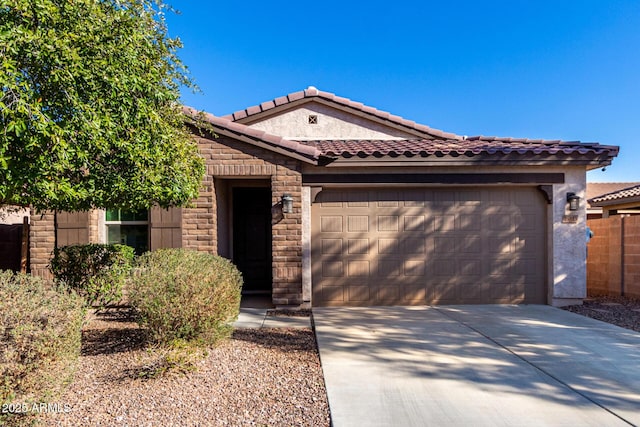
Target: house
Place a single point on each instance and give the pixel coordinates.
(624, 200)
(321, 200)
(597, 189)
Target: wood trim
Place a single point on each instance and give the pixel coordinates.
(547, 191)
(24, 245)
(437, 178)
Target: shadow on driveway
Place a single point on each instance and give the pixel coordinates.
(477, 365)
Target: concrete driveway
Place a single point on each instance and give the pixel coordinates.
(527, 365)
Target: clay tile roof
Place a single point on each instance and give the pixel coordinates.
(467, 147)
(229, 128)
(632, 192)
(596, 189)
(311, 93)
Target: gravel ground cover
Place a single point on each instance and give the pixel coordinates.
(262, 377)
(621, 311)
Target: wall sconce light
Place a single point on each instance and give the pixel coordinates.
(574, 201)
(287, 203)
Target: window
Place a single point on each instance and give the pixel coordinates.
(129, 228)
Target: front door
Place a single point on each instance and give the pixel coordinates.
(252, 237)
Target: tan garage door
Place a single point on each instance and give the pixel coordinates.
(428, 246)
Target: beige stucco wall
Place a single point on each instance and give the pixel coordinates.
(568, 241)
(332, 124)
(13, 215)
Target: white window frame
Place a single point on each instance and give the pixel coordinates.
(107, 223)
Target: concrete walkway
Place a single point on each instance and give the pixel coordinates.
(256, 311)
(477, 365)
(256, 318)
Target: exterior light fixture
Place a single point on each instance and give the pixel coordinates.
(287, 203)
(574, 201)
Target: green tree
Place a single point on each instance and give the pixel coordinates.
(89, 109)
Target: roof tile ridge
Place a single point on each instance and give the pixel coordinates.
(313, 92)
(385, 115)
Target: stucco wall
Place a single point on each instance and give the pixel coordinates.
(13, 215)
(568, 245)
(331, 124)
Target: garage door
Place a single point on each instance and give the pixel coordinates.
(428, 246)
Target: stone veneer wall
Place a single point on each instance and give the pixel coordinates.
(41, 242)
(227, 158)
(199, 221)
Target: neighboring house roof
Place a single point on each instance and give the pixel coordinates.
(467, 147)
(251, 114)
(595, 189)
(625, 195)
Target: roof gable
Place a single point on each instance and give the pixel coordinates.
(255, 137)
(335, 118)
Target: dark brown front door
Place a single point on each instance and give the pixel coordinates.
(252, 237)
(10, 247)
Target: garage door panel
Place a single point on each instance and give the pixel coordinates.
(358, 293)
(470, 268)
(331, 224)
(414, 246)
(388, 246)
(357, 224)
(332, 295)
(525, 222)
(445, 244)
(415, 223)
(445, 223)
(358, 269)
(332, 246)
(415, 268)
(413, 294)
(358, 246)
(428, 246)
(332, 269)
(390, 268)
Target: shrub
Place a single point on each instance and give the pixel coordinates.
(40, 331)
(97, 271)
(185, 295)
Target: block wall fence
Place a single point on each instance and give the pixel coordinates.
(613, 257)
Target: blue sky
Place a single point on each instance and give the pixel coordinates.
(561, 69)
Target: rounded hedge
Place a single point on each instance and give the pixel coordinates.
(185, 295)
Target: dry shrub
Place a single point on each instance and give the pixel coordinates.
(185, 295)
(40, 333)
(97, 271)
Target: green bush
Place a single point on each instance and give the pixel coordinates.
(40, 331)
(97, 271)
(185, 295)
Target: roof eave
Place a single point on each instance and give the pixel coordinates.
(467, 160)
(622, 202)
